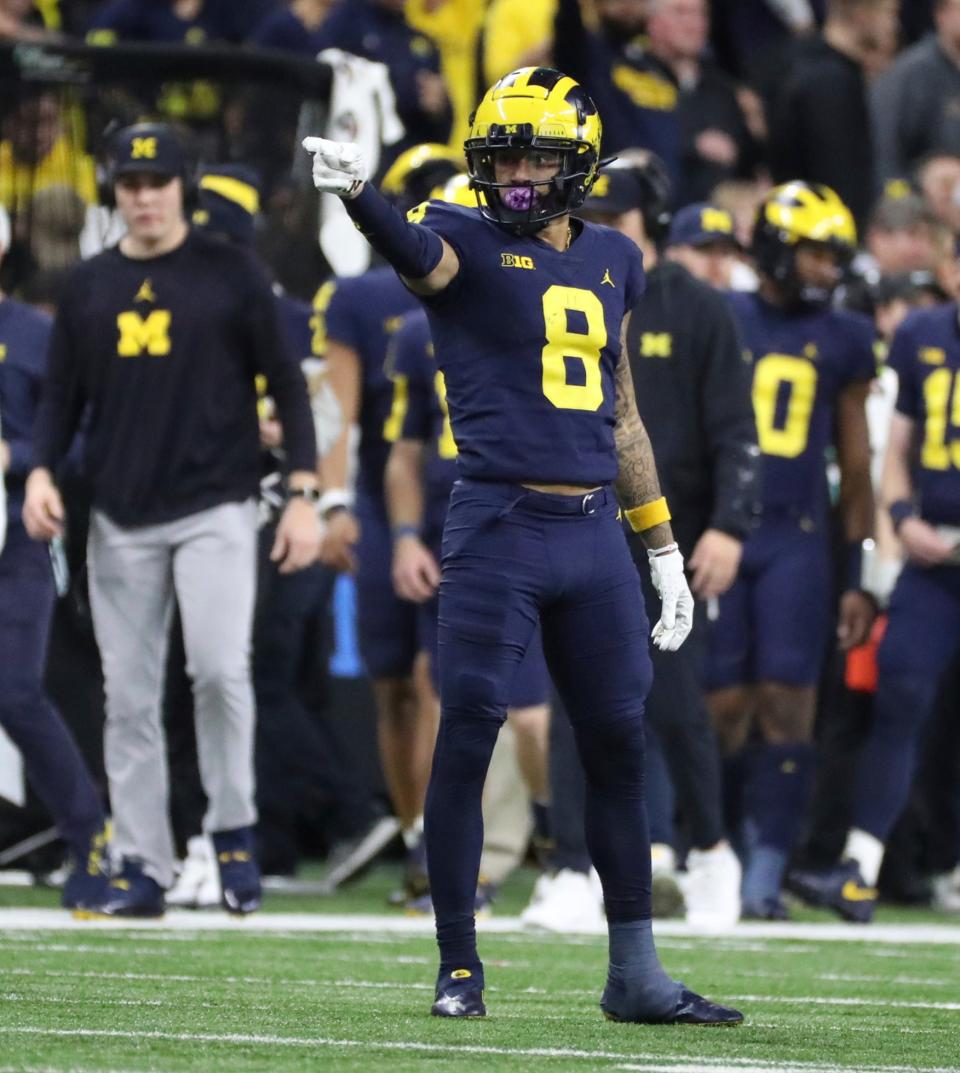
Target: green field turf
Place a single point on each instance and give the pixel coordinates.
(155, 1000)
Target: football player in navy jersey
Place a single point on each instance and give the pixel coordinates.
(355, 320)
(811, 370)
(420, 474)
(920, 489)
(527, 307)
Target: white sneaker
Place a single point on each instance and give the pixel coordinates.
(541, 888)
(667, 893)
(198, 884)
(946, 891)
(712, 888)
(568, 904)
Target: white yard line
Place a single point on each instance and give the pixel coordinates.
(697, 1066)
(821, 1000)
(626, 1061)
(13, 920)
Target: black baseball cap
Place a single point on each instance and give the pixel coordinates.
(147, 147)
(614, 192)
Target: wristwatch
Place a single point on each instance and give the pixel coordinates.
(311, 495)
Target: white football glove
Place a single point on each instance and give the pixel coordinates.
(676, 600)
(338, 167)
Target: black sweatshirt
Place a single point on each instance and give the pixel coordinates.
(163, 354)
(820, 128)
(694, 396)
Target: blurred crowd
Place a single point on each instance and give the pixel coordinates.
(734, 99)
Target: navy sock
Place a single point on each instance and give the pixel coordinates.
(775, 796)
(763, 875)
(637, 987)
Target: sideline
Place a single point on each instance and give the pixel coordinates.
(182, 920)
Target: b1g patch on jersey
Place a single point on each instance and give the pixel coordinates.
(516, 260)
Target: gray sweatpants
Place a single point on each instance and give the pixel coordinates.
(208, 560)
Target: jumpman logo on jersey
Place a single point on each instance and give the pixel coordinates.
(145, 294)
(607, 279)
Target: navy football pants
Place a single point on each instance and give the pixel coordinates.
(922, 637)
(511, 556)
(53, 763)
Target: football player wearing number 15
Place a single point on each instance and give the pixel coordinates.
(811, 370)
(527, 309)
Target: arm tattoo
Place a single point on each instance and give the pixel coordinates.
(637, 480)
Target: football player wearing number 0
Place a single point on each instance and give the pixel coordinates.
(528, 337)
(920, 488)
(811, 370)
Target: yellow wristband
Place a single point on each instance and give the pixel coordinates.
(647, 515)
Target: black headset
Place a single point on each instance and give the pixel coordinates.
(657, 195)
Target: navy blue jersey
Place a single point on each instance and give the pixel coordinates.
(295, 320)
(24, 339)
(420, 412)
(801, 364)
(528, 339)
(926, 355)
(363, 312)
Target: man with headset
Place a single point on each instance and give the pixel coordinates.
(160, 338)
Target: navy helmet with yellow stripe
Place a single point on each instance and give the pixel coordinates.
(228, 202)
(794, 213)
(534, 108)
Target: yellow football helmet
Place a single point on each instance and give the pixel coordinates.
(458, 191)
(534, 108)
(419, 171)
(797, 212)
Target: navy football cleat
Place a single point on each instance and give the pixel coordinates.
(841, 888)
(131, 893)
(691, 1009)
(459, 994)
(241, 892)
(88, 882)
